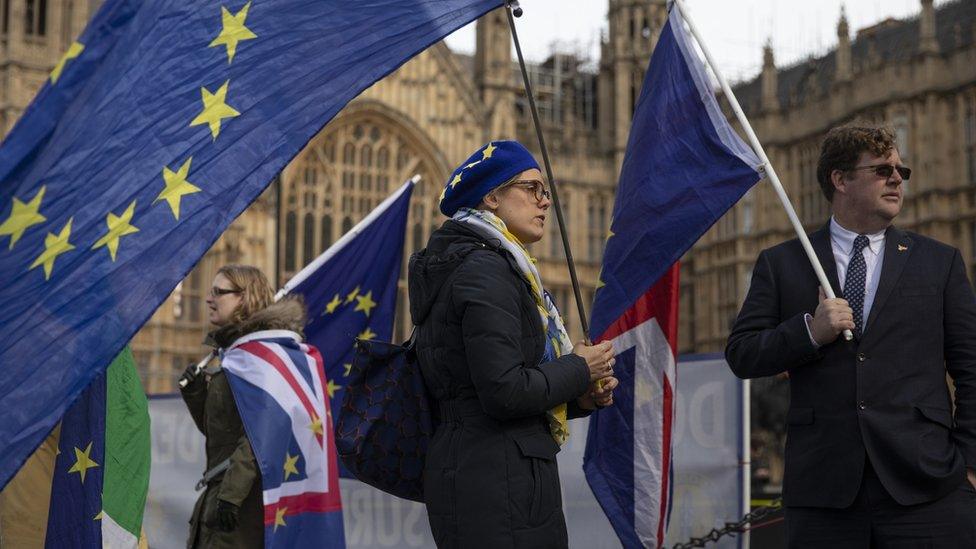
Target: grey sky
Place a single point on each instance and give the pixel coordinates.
(735, 30)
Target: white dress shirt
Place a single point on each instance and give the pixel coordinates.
(842, 243)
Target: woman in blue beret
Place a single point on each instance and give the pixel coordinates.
(497, 360)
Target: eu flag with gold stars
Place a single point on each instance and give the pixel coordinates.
(350, 291)
(100, 477)
(163, 121)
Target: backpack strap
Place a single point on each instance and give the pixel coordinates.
(410, 347)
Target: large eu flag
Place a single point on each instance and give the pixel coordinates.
(683, 169)
(158, 127)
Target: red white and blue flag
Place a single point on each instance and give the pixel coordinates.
(280, 388)
(683, 169)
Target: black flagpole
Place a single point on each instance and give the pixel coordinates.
(278, 229)
(514, 9)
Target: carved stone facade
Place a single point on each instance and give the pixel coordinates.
(917, 76)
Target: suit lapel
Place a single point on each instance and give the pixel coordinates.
(820, 240)
(897, 250)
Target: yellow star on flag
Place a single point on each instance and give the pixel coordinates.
(233, 31)
(456, 180)
(316, 425)
(54, 245)
(330, 307)
(176, 187)
(118, 226)
(489, 150)
(99, 515)
(290, 468)
(352, 295)
(83, 462)
(215, 109)
(21, 217)
(366, 334)
(348, 367)
(473, 164)
(443, 192)
(366, 303)
(599, 283)
(279, 518)
(331, 388)
(74, 50)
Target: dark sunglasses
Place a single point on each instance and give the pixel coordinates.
(885, 170)
(537, 187)
(217, 292)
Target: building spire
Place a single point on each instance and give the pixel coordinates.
(928, 43)
(770, 85)
(845, 69)
(493, 74)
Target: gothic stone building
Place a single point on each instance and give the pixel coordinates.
(918, 75)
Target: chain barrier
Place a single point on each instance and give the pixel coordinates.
(733, 528)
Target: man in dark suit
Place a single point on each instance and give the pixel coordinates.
(875, 456)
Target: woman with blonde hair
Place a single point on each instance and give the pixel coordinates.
(230, 512)
(497, 360)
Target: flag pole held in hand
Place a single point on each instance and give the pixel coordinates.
(766, 164)
(513, 8)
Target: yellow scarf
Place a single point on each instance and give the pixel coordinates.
(558, 343)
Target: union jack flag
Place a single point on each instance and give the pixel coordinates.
(684, 168)
(280, 388)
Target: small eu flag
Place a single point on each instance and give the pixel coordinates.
(350, 290)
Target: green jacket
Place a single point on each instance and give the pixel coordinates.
(211, 403)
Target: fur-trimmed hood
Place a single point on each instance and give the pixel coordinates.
(286, 314)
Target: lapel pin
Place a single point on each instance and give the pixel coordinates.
(902, 248)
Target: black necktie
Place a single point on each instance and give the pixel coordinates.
(854, 285)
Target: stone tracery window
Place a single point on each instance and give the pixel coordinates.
(356, 182)
(970, 137)
(814, 208)
(341, 176)
(67, 23)
(598, 226)
(35, 18)
(4, 16)
(556, 250)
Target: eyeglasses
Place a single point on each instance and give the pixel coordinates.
(538, 188)
(885, 170)
(217, 292)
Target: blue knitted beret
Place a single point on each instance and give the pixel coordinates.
(487, 168)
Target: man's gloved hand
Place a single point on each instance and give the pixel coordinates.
(228, 515)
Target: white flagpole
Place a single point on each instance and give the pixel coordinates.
(746, 466)
(767, 165)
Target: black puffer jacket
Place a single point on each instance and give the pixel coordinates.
(490, 477)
